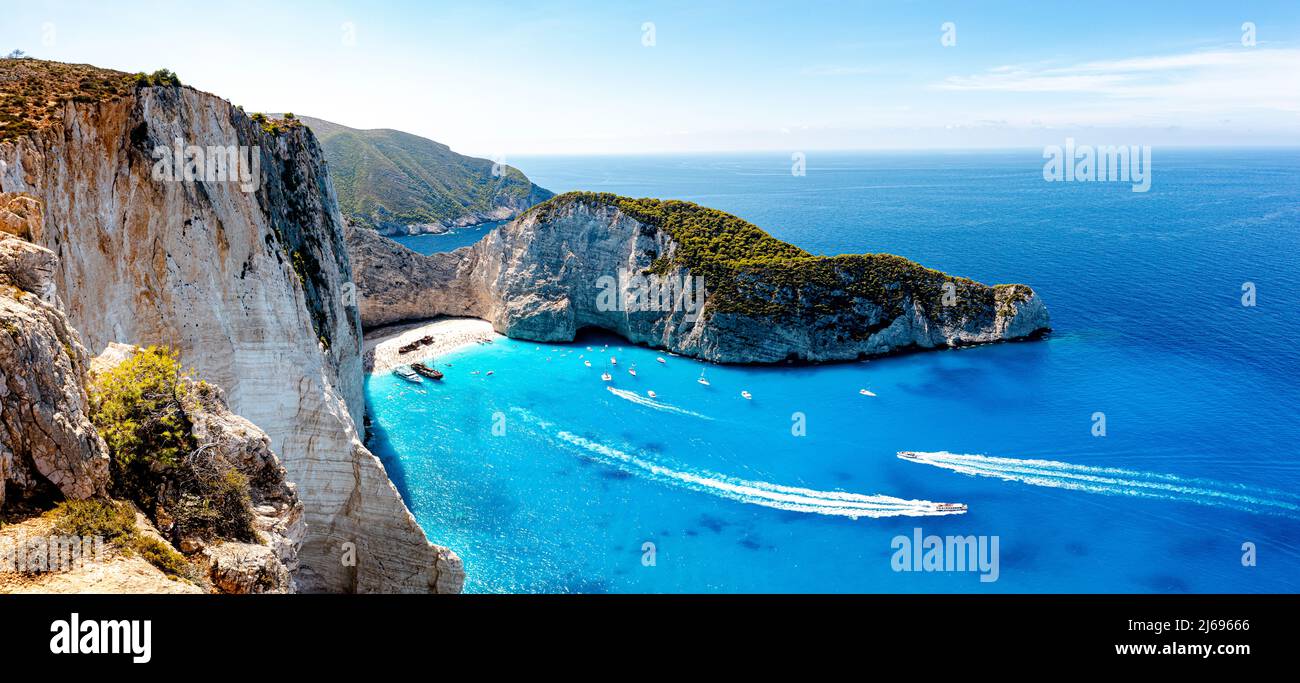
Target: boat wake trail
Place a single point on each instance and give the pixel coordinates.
(836, 503)
(651, 403)
(1116, 482)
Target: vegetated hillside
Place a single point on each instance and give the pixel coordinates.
(400, 183)
(747, 268)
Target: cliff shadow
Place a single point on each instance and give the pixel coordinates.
(379, 443)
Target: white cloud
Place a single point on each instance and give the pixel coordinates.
(1257, 88)
(1159, 76)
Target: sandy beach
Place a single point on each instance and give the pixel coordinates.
(380, 346)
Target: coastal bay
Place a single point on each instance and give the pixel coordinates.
(1176, 378)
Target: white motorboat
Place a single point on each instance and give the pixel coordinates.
(406, 373)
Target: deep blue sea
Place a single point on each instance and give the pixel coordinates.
(448, 241)
(544, 480)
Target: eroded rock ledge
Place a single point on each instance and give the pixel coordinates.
(546, 275)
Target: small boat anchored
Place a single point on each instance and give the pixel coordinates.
(632, 370)
(586, 363)
(426, 371)
(703, 380)
(661, 359)
(613, 360)
(407, 374)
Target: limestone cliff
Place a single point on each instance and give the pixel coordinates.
(634, 267)
(48, 446)
(251, 287)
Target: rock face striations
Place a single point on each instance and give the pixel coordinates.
(247, 278)
(637, 267)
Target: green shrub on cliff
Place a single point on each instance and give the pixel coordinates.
(114, 522)
(109, 520)
(140, 408)
(276, 126)
(161, 77)
(137, 408)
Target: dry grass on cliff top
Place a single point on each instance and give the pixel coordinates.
(32, 91)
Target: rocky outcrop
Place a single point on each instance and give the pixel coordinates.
(584, 260)
(48, 446)
(245, 568)
(227, 442)
(250, 284)
(21, 215)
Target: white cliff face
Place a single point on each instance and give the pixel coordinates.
(250, 287)
(540, 278)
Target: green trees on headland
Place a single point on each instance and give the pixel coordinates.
(161, 77)
(749, 272)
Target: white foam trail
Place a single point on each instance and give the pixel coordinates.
(1116, 481)
(836, 503)
(651, 403)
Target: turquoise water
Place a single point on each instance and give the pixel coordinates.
(448, 241)
(1199, 394)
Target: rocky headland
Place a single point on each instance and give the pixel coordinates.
(637, 267)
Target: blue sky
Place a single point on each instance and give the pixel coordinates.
(504, 78)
